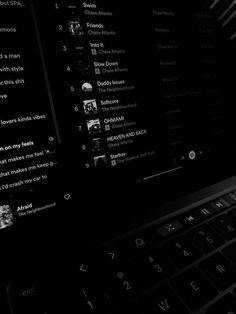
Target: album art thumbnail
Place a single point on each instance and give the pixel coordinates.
(6, 217)
(90, 107)
(87, 87)
(75, 28)
(100, 161)
(97, 145)
(94, 126)
(83, 67)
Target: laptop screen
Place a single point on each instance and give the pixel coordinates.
(111, 105)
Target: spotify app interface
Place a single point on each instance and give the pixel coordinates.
(138, 88)
(91, 90)
(28, 134)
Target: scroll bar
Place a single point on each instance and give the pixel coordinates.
(162, 173)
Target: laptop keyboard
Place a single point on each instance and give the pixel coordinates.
(185, 265)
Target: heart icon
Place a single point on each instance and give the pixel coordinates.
(67, 197)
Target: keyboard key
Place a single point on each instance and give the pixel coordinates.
(230, 198)
(153, 266)
(142, 241)
(162, 300)
(194, 288)
(130, 246)
(219, 270)
(225, 225)
(220, 204)
(181, 252)
(225, 305)
(205, 238)
(24, 297)
(123, 282)
(230, 252)
(225, 202)
(205, 211)
(92, 300)
(169, 228)
(111, 255)
(190, 218)
(87, 269)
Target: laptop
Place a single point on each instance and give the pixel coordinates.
(118, 176)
